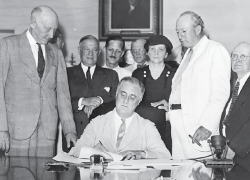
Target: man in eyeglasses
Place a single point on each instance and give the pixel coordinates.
(90, 85)
(236, 122)
(200, 89)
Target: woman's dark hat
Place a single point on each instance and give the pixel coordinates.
(159, 39)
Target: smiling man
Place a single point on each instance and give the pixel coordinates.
(122, 130)
(200, 89)
(114, 49)
(90, 85)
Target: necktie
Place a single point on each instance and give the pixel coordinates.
(121, 133)
(88, 76)
(234, 97)
(41, 61)
(184, 66)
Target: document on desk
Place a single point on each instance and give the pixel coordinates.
(64, 157)
(156, 163)
(86, 152)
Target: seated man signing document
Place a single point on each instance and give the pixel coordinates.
(122, 130)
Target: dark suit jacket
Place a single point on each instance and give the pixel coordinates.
(104, 84)
(238, 127)
(24, 98)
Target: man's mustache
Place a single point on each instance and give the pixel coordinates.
(112, 57)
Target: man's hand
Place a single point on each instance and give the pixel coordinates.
(4, 141)
(201, 134)
(230, 153)
(164, 105)
(88, 110)
(131, 155)
(70, 137)
(100, 147)
(91, 101)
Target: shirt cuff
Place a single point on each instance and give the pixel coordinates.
(80, 106)
(100, 99)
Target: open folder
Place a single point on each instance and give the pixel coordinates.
(86, 152)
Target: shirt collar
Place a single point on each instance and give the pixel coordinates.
(117, 117)
(198, 44)
(243, 79)
(32, 41)
(85, 68)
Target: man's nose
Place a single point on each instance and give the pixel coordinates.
(126, 99)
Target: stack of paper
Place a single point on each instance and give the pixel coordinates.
(86, 152)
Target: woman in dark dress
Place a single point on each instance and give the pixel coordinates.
(157, 79)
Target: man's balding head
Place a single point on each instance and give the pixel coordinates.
(44, 22)
(189, 27)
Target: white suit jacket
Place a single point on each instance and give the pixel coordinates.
(205, 86)
(141, 134)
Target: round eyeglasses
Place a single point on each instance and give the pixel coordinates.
(241, 57)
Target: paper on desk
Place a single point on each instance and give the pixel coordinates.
(64, 157)
(125, 167)
(86, 152)
(156, 163)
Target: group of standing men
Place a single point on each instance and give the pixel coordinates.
(34, 90)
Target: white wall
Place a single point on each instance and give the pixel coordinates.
(226, 21)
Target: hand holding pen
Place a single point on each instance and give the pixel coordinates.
(197, 142)
(100, 146)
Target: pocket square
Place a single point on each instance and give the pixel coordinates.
(107, 89)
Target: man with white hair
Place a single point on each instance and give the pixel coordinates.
(34, 89)
(200, 89)
(236, 122)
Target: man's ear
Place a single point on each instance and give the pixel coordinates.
(198, 29)
(99, 52)
(33, 23)
(79, 49)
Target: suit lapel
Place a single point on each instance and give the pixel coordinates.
(27, 57)
(48, 61)
(98, 77)
(109, 138)
(241, 98)
(201, 47)
(80, 80)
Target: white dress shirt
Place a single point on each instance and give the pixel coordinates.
(118, 122)
(120, 71)
(34, 47)
(92, 70)
(242, 82)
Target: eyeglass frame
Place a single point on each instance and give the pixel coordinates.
(236, 57)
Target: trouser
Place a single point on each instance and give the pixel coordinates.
(36, 145)
(182, 148)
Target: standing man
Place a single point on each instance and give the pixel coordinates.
(237, 120)
(139, 54)
(90, 85)
(34, 89)
(200, 89)
(114, 49)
